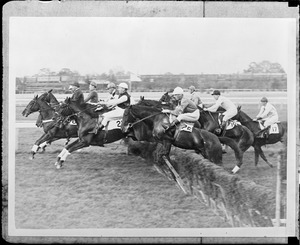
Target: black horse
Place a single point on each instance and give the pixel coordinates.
(86, 119)
(240, 134)
(149, 123)
(261, 137)
(46, 104)
(231, 142)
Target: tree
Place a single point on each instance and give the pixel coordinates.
(264, 67)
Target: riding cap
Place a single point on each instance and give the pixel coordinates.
(111, 85)
(264, 99)
(192, 87)
(216, 92)
(93, 83)
(76, 84)
(123, 85)
(178, 90)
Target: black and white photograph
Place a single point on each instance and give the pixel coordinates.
(151, 126)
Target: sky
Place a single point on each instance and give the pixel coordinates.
(154, 45)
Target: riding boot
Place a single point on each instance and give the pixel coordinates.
(172, 125)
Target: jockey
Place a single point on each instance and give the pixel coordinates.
(119, 104)
(77, 93)
(185, 109)
(195, 96)
(112, 90)
(93, 95)
(268, 113)
(228, 105)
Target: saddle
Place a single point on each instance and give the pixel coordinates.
(113, 124)
(230, 124)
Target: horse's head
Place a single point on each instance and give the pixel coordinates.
(128, 119)
(32, 107)
(49, 98)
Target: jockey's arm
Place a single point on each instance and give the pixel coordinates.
(180, 108)
(115, 102)
(261, 113)
(213, 108)
(88, 98)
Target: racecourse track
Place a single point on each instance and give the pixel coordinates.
(104, 187)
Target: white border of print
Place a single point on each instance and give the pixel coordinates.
(289, 230)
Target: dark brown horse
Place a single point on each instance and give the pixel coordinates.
(45, 105)
(148, 124)
(86, 119)
(239, 134)
(261, 137)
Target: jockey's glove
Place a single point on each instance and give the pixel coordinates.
(165, 111)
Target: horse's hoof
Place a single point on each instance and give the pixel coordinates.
(235, 169)
(31, 157)
(59, 165)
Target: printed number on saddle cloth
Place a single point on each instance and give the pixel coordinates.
(73, 122)
(232, 124)
(115, 124)
(188, 127)
(274, 129)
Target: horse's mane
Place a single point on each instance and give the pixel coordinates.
(152, 103)
(243, 114)
(142, 109)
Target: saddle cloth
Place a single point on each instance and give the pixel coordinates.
(231, 124)
(186, 126)
(114, 124)
(73, 122)
(273, 129)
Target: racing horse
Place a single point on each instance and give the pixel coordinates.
(224, 140)
(46, 104)
(86, 119)
(149, 123)
(261, 136)
(240, 134)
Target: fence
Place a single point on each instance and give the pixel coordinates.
(242, 203)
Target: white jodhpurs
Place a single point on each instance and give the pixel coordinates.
(229, 114)
(112, 115)
(270, 120)
(191, 117)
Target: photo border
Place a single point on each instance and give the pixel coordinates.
(153, 9)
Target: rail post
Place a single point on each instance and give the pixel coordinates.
(278, 190)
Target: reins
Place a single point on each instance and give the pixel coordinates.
(130, 125)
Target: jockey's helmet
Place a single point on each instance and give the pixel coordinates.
(192, 88)
(93, 83)
(111, 85)
(264, 99)
(178, 90)
(123, 85)
(216, 92)
(76, 84)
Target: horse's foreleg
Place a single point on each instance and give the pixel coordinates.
(237, 152)
(37, 144)
(61, 158)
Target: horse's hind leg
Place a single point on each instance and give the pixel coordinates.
(259, 151)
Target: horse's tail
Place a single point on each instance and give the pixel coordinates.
(234, 146)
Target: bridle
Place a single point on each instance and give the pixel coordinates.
(130, 125)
